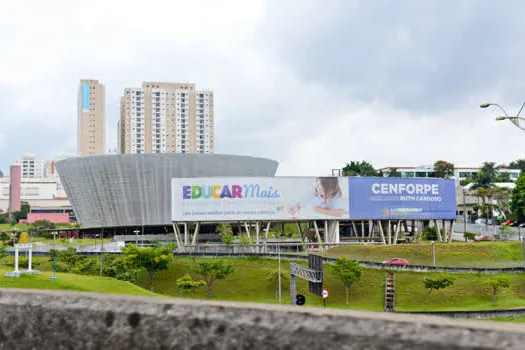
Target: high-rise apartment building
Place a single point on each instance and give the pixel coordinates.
(165, 118)
(31, 166)
(91, 118)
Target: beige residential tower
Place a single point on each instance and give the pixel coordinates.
(91, 118)
(166, 118)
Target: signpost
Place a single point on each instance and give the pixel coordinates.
(324, 295)
(313, 274)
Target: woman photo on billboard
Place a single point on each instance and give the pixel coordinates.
(326, 199)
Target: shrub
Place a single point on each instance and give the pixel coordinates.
(469, 235)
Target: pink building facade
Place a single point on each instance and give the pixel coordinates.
(15, 180)
(56, 218)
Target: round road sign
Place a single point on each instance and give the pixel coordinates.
(300, 299)
(324, 294)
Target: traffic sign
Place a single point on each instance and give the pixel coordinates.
(300, 299)
(324, 294)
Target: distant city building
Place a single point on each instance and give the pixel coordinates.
(166, 118)
(31, 166)
(461, 173)
(91, 118)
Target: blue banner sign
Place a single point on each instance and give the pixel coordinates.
(402, 198)
(85, 97)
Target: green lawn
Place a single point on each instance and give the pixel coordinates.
(24, 227)
(476, 254)
(248, 283)
(68, 281)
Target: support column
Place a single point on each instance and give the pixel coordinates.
(438, 232)
(317, 234)
(381, 231)
(300, 231)
(389, 232)
(16, 258)
(257, 232)
(293, 292)
(186, 234)
(327, 238)
(196, 233)
(452, 223)
(370, 229)
(247, 227)
(398, 227)
(29, 259)
(355, 228)
(266, 237)
(176, 233)
(363, 229)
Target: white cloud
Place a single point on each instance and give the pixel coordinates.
(264, 107)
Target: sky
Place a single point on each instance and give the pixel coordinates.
(311, 84)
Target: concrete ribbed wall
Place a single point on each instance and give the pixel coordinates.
(135, 190)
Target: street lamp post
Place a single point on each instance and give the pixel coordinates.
(516, 120)
(464, 213)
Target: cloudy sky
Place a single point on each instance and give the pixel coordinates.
(312, 84)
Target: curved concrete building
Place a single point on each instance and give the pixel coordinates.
(135, 189)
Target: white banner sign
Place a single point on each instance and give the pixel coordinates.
(259, 198)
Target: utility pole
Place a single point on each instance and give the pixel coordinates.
(434, 253)
(101, 249)
(279, 274)
(464, 213)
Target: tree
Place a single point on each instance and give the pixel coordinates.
(517, 164)
(517, 203)
(436, 284)
(187, 285)
(41, 225)
(362, 168)
(486, 177)
(273, 279)
(394, 173)
(3, 251)
(226, 233)
(153, 259)
(496, 284)
(22, 213)
(212, 271)
(443, 169)
(347, 271)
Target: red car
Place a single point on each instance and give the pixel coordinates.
(396, 261)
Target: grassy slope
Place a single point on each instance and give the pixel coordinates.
(70, 282)
(478, 254)
(248, 283)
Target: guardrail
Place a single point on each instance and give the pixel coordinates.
(215, 251)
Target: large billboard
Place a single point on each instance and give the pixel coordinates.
(311, 198)
(259, 198)
(402, 198)
(85, 97)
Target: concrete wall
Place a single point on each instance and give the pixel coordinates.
(65, 320)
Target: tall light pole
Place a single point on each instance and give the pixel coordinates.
(464, 213)
(516, 120)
